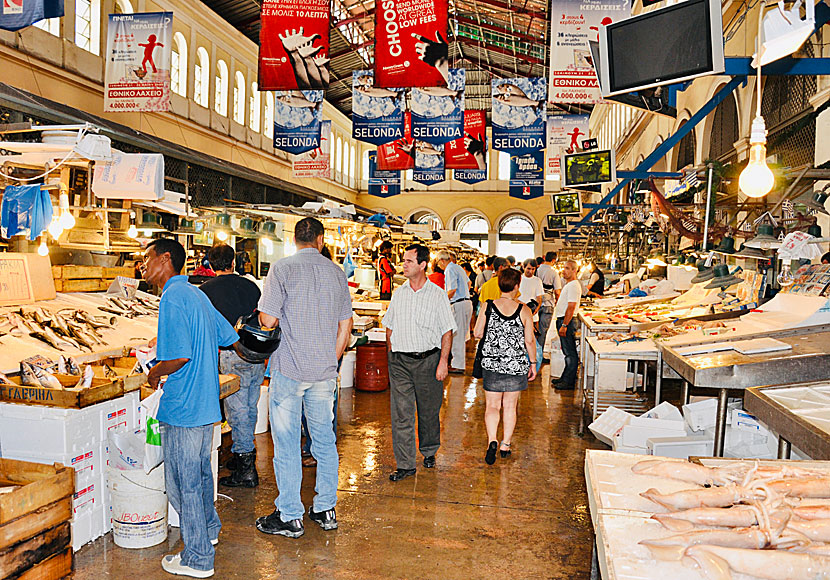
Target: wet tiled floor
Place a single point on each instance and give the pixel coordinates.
(524, 517)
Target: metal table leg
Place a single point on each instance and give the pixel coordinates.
(784, 448)
(684, 393)
(659, 378)
(596, 387)
(645, 376)
(595, 575)
(720, 423)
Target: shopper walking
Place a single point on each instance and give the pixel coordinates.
(307, 296)
(566, 308)
(508, 360)
(235, 296)
(485, 274)
(457, 285)
(190, 332)
(419, 327)
(386, 270)
(552, 285)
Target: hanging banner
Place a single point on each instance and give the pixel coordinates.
(130, 176)
(519, 117)
(382, 183)
(137, 70)
(17, 14)
(298, 116)
(470, 176)
(294, 45)
(429, 163)
(565, 135)
(470, 151)
(317, 162)
(438, 112)
(527, 175)
(399, 155)
(573, 24)
(411, 43)
(377, 114)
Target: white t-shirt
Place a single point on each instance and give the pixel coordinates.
(549, 276)
(572, 292)
(530, 289)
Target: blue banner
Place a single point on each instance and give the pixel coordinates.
(382, 183)
(527, 175)
(17, 14)
(429, 163)
(377, 114)
(519, 114)
(438, 112)
(298, 117)
(470, 176)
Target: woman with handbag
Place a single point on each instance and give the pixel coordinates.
(508, 360)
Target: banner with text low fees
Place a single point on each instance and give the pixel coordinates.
(411, 46)
(377, 113)
(527, 175)
(438, 112)
(519, 114)
(298, 118)
(382, 183)
(317, 162)
(294, 45)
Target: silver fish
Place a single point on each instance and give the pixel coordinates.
(40, 316)
(86, 379)
(94, 322)
(4, 380)
(46, 379)
(43, 337)
(59, 324)
(27, 375)
(72, 366)
(82, 336)
(118, 311)
(59, 339)
(61, 366)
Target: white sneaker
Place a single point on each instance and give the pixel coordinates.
(173, 565)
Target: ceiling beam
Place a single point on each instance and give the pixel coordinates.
(484, 45)
(508, 7)
(494, 28)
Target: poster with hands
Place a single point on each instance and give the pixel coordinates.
(294, 45)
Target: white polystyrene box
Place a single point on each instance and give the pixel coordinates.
(665, 411)
(681, 447)
(611, 422)
(701, 414)
(619, 446)
(26, 429)
(611, 375)
(639, 430)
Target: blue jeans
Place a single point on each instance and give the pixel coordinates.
(241, 407)
(189, 480)
(288, 399)
(568, 343)
(307, 443)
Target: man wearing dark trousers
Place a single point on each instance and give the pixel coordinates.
(566, 308)
(419, 326)
(235, 296)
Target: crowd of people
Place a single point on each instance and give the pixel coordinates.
(305, 308)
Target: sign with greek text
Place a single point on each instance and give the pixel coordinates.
(565, 132)
(317, 162)
(519, 114)
(382, 183)
(470, 151)
(294, 45)
(137, 69)
(438, 112)
(573, 24)
(298, 118)
(399, 155)
(411, 46)
(377, 114)
(527, 175)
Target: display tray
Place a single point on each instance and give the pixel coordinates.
(102, 389)
(228, 385)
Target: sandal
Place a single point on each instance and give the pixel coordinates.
(505, 452)
(490, 457)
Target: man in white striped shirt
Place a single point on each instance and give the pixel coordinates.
(419, 326)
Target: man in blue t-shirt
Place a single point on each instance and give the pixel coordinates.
(190, 332)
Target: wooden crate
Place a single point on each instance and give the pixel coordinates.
(112, 273)
(81, 285)
(35, 538)
(101, 390)
(72, 272)
(123, 365)
(228, 385)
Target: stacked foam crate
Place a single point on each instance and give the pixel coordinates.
(76, 438)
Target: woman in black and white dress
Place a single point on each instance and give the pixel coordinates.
(508, 360)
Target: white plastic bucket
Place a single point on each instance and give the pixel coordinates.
(139, 507)
(347, 369)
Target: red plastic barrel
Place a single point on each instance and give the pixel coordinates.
(371, 372)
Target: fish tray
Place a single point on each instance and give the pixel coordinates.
(123, 366)
(102, 389)
(228, 385)
(35, 539)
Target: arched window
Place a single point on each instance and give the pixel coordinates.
(724, 130)
(239, 98)
(344, 177)
(50, 25)
(366, 165)
(426, 218)
(255, 103)
(685, 152)
(88, 25)
(201, 74)
(338, 158)
(220, 99)
(351, 167)
(178, 65)
(473, 229)
(504, 165)
(269, 115)
(516, 237)
(123, 7)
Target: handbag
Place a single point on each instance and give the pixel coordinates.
(478, 371)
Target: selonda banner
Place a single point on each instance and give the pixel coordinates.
(298, 117)
(469, 151)
(294, 45)
(438, 112)
(572, 24)
(17, 14)
(398, 155)
(565, 135)
(527, 175)
(382, 183)
(317, 162)
(429, 163)
(137, 70)
(377, 114)
(519, 114)
(411, 43)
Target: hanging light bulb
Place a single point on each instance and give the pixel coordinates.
(785, 276)
(221, 235)
(756, 179)
(42, 249)
(67, 220)
(132, 231)
(55, 228)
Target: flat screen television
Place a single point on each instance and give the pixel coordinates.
(565, 204)
(665, 46)
(557, 222)
(589, 168)
(548, 234)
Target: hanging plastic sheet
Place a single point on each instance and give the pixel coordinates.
(26, 209)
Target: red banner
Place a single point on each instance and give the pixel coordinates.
(294, 45)
(470, 151)
(398, 155)
(411, 47)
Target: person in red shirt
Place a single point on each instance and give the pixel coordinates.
(437, 276)
(385, 270)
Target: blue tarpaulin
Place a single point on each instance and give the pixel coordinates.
(17, 14)
(25, 209)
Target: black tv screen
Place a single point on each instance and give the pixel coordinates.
(588, 168)
(565, 204)
(557, 222)
(659, 47)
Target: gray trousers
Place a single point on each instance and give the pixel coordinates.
(463, 313)
(414, 386)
